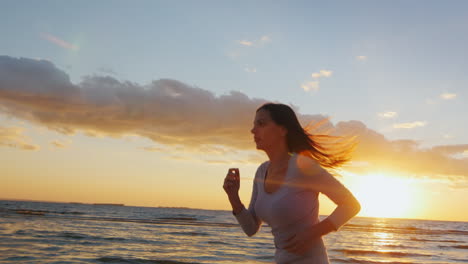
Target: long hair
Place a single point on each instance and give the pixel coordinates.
(330, 151)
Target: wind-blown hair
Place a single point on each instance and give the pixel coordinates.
(330, 151)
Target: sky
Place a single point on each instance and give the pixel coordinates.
(148, 103)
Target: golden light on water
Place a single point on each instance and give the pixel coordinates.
(384, 196)
(382, 239)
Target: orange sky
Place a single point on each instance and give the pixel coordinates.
(122, 170)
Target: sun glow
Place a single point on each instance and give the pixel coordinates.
(383, 196)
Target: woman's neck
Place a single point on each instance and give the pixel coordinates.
(278, 158)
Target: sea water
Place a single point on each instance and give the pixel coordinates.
(40, 232)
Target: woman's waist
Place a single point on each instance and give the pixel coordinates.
(282, 234)
(316, 253)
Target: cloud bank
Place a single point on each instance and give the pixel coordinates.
(177, 115)
(13, 137)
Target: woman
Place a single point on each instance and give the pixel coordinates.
(286, 188)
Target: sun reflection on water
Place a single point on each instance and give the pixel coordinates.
(382, 239)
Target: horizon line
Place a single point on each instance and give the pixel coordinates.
(192, 208)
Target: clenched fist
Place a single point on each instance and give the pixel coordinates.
(232, 182)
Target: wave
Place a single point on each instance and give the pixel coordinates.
(460, 260)
(188, 233)
(265, 257)
(380, 253)
(72, 235)
(87, 239)
(218, 243)
(38, 212)
(190, 221)
(360, 261)
(403, 230)
(435, 240)
(178, 218)
(20, 258)
(22, 232)
(137, 261)
(456, 246)
(30, 212)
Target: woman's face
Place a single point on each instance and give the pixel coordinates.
(266, 132)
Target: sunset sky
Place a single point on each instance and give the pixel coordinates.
(149, 103)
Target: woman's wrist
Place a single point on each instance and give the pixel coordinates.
(236, 204)
(237, 210)
(324, 227)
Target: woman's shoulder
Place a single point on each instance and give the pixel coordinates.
(305, 162)
(306, 165)
(263, 166)
(261, 169)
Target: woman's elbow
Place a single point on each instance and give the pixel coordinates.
(251, 229)
(250, 232)
(355, 207)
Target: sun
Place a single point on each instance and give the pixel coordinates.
(383, 196)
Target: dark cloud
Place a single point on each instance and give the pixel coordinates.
(175, 115)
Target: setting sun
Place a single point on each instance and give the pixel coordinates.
(384, 196)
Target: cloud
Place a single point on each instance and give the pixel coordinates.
(404, 156)
(361, 58)
(448, 96)
(315, 75)
(388, 114)
(410, 125)
(181, 119)
(13, 137)
(263, 40)
(246, 43)
(60, 143)
(325, 73)
(451, 149)
(165, 111)
(315, 84)
(59, 42)
(321, 73)
(310, 86)
(443, 96)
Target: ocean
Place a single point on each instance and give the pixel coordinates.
(44, 232)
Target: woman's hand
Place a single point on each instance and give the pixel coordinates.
(232, 182)
(231, 187)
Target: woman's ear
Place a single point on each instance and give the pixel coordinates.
(284, 131)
